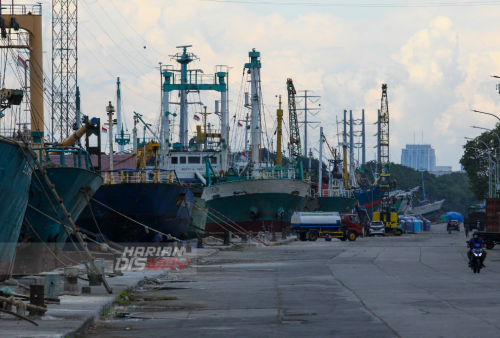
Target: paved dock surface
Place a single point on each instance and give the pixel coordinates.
(410, 286)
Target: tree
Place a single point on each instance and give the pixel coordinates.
(475, 162)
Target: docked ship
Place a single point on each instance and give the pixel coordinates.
(15, 181)
(257, 198)
(132, 198)
(71, 172)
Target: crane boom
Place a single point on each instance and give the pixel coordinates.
(384, 130)
(295, 148)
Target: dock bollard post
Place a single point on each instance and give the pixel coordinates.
(116, 259)
(188, 247)
(200, 242)
(71, 279)
(226, 237)
(250, 237)
(244, 238)
(273, 236)
(266, 234)
(283, 233)
(52, 284)
(37, 298)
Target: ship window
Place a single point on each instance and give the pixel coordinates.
(182, 160)
(194, 160)
(213, 160)
(175, 160)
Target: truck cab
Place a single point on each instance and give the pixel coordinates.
(352, 224)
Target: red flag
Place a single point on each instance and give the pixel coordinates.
(196, 117)
(243, 153)
(239, 124)
(21, 62)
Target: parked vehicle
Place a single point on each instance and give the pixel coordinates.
(377, 228)
(477, 256)
(490, 238)
(453, 225)
(312, 225)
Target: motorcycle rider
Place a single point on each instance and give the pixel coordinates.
(476, 240)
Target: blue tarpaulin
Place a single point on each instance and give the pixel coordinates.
(453, 216)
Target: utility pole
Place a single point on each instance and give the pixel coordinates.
(320, 171)
(306, 109)
(363, 140)
(279, 114)
(378, 142)
(351, 144)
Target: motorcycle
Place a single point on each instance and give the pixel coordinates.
(477, 253)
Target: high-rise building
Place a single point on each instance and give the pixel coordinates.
(419, 157)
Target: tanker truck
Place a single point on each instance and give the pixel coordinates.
(312, 225)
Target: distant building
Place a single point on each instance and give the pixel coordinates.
(419, 157)
(441, 170)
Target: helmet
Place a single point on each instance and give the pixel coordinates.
(476, 235)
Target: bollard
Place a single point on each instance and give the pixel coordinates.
(267, 236)
(37, 298)
(71, 279)
(226, 237)
(94, 279)
(171, 247)
(86, 289)
(52, 284)
(200, 242)
(250, 236)
(244, 238)
(189, 248)
(273, 236)
(116, 260)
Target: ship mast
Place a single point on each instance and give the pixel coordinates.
(254, 69)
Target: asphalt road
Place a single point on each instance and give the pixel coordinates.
(410, 286)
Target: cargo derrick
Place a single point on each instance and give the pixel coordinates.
(386, 214)
(295, 150)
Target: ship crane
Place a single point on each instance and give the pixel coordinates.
(387, 214)
(295, 151)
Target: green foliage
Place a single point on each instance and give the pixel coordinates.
(475, 162)
(454, 187)
(125, 298)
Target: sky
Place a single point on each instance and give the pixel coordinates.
(436, 59)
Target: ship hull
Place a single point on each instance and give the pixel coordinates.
(430, 211)
(199, 219)
(255, 205)
(368, 198)
(342, 205)
(15, 181)
(159, 206)
(74, 186)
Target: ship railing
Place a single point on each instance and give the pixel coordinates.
(271, 173)
(337, 193)
(20, 9)
(139, 176)
(65, 157)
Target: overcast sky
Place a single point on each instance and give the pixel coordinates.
(436, 60)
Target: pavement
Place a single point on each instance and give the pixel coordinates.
(416, 285)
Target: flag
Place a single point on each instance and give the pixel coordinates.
(104, 130)
(243, 153)
(196, 118)
(239, 124)
(21, 62)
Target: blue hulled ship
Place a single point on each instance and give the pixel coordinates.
(368, 197)
(15, 180)
(146, 196)
(70, 171)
